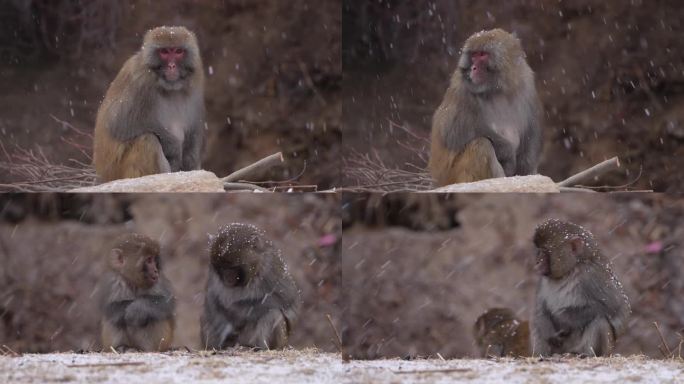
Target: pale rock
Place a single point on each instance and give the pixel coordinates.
(191, 181)
(514, 184)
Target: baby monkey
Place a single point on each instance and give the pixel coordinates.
(251, 299)
(135, 298)
(581, 307)
(499, 333)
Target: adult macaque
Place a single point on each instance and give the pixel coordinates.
(581, 307)
(251, 299)
(488, 124)
(152, 118)
(135, 298)
(499, 333)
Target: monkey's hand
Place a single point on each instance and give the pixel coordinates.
(557, 339)
(143, 312)
(115, 312)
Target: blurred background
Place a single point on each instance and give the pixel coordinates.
(52, 249)
(273, 79)
(419, 269)
(610, 75)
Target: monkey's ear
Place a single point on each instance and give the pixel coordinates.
(576, 244)
(116, 257)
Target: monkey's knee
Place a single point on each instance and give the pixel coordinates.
(483, 161)
(598, 340)
(154, 337)
(139, 157)
(112, 337)
(144, 157)
(476, 162)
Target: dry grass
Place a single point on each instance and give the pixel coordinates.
(36, 173)
(372, 174)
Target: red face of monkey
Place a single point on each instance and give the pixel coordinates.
(150, 270)
(478, 69)
(171, 56)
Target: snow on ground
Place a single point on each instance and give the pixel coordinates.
(310, 366)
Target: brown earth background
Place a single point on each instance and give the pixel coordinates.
(52, 248)
(273, 77)
(610, 75)
(415, 283)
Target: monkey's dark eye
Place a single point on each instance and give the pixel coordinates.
(164, 51)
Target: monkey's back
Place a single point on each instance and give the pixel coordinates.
(119, 159)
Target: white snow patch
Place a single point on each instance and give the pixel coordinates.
(310, 366)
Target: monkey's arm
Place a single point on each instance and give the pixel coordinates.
(192, 147)
(504, 153)
(115, 311)
(576, 316)
(531, 142)
(148, 309)
(220, 326)
(542, 330)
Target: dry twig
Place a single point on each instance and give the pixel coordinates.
(338, 342)
(256, 168)
(589, 174)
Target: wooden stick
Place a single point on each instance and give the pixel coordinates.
(265, 163)
(589, 174)
(340, 347)
(243, 186)
(574, 189)
(662, 339)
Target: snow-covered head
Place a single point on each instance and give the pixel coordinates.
(238, 252)
(561, 245)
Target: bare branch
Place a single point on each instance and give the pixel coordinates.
(591, 173)
(258, 167)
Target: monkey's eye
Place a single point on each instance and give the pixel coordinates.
(164, 51)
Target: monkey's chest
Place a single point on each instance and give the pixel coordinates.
(504, 119)
(176, 117)
(561, 295)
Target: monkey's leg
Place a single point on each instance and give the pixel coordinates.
(154, 337)
(217, 331)
(596, 340)
(144, 156)
(113, 337)
(476, 162)
(270, 332)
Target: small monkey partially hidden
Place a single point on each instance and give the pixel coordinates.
(152, 117)
(251, 299)
(499, 333)
(488, 124)
(135, 298)
(581, 307)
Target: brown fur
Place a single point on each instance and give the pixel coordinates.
(122, 160)
(499, 333)
(464, 145)
(476, 162)
(137, 311)
(581, 307)
(154, 337)
(130, 109)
